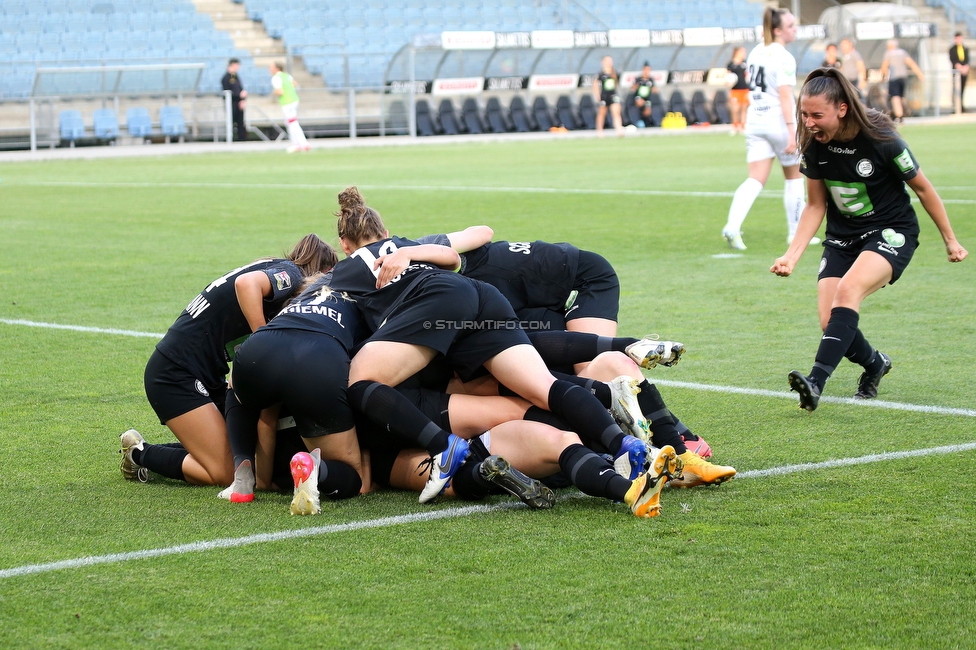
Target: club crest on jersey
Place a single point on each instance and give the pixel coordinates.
(864, 168)
(201, 388)
(283, 280)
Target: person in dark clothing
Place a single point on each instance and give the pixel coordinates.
(238, 97)
(959, 58)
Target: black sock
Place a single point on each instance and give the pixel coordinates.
(385, 406)
(836, 340)
(242, 429)
(863, 354)
(536, 414)
(663, 429)
(468, 484)
(167, 461)
(560, 348)
(683, 429)
(587, 416)
(595, 387)
(592, 474)
(174, 445)
(337, 480)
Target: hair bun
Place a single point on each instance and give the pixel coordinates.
(351, 198)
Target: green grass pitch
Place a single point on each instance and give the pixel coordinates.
(864, 556)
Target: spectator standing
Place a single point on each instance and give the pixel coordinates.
(959, 58)
(830, 57)
(285, 89)
(852, 66)
(238, 97)
(897, 62)
(739, 93)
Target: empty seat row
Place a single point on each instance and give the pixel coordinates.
(105, 124)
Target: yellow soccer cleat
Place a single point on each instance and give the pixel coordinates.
(698, 471)
(644, 495)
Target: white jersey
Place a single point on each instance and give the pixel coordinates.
(768, 67)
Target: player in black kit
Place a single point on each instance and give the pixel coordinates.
(417, 310)
(606, 91)
(643, 88)
(186, 374)
(856, 167)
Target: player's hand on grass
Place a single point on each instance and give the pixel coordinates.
(956, 252)
(783, 267)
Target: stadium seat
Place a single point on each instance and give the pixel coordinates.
(497, 120)
(448, 118)
(587, 111)
(720, 106)
(471, 116)
(171, 122)
(542, 114)
(426, 122)
(137, 122)
(520, 117)
(657, 110)
(106, 124)
(699, 109)
(71, 125)
(677, 104)
(565, 115)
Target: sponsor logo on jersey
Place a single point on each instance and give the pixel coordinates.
(843, 150)
(201, 388)
(283, 280)
(904, 161)
(864, 168)
(823, 265)
(892, 238)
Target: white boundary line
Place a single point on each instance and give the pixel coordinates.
(447, 513)
(80, 328)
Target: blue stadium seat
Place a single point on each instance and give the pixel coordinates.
(171, 121)
(137, 122)
(71, 125)
(106, 124)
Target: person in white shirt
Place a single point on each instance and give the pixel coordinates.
(770, 126)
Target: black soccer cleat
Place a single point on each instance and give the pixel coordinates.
(498, 471)
(867, 385)
(808, 391)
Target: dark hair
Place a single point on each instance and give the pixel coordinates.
(358, 223)
(958, 35)
(836, 89)
(772, 19)
(647, 64)
(831, 45)
(312, 255)
(233, 61)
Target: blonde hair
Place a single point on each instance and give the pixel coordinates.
(772, 19)
(358, 223)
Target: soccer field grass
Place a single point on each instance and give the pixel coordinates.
(873, 554)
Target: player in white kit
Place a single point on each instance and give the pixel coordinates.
(770, 126)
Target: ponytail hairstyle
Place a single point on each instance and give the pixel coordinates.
(312, 255)
(772, 19)
(358, 223)
(836, 89)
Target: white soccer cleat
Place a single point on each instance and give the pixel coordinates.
(132, 471)
(242, 489)
(734, 240)
(443, 466)
(648, 352)
(625, 408)
(305, 474)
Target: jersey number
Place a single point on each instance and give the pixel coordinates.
(369, 259)
(757, 78)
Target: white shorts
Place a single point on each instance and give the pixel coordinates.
(763, 145)
(290, 111)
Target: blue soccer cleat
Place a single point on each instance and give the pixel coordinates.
(443, 466)
(631, 459)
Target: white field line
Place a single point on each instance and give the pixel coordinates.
(757, 392)
(419, 188)
(447, 513)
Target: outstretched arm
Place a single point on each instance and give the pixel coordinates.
(470, 238)
(932, 203)
(810, 220)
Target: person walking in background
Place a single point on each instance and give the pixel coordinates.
(959, 58)
(897, 61)
(238, 97)
(770, 126)
(852, 66)
(285, 89)
(607, 93)
(739, 93)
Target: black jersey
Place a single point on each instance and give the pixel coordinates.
(739, 70)
(865, 182)
(204, 337)
(322, 310)
(529, 274)
(356, 277)
(607, 82)
(644, 87)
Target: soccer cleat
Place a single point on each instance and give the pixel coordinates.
(498, 471)
(644, 495)
(813, 240)
(132, 471)
(242, 489)
(867, 385)
(648, 352)
(734, 240)
(695, 470)
(305, 474)
(631, 459)
(625, 409)
(809, 393)
(444, 466)
(697, 444)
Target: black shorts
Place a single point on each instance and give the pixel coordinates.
(898, 248)
(597, 289)
(173, 390)
(607, 99)
(896, 87)
(494, 329)
(306, 372)
(541, 319)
